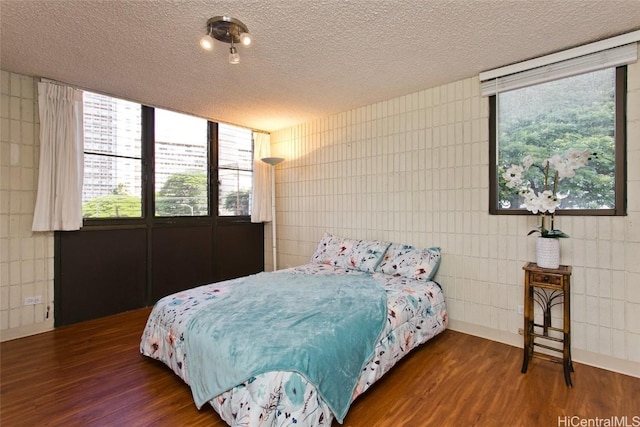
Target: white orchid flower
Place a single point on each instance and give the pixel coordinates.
(555, 168)
(577, 158)
(513, 176)
(565, 170)
(555, 161)
(548, 201)
(532, 203)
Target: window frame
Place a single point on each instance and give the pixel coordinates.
(620, 173)
(208, 171)
(148, 218)
(138, 219)
(217, 177)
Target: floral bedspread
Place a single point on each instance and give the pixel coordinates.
(416, 313)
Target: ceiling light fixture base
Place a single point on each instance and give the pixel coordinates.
(226, 29)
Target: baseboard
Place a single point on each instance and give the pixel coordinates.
(25, 331)
(609, 363)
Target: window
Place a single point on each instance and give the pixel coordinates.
(146, 163)
(181, 172)
(235, 170)
(112, 159)
(583, 112)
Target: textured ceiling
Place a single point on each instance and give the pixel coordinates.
(310, 58)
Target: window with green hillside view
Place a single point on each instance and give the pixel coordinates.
(573, 113)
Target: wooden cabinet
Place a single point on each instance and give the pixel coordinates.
(547, 288)
(100, 271)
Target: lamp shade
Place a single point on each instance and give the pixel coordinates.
(272, 160)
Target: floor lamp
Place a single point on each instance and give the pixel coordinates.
(273, 161)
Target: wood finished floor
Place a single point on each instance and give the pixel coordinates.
(91, 374)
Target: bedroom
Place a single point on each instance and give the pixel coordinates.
(483, 254)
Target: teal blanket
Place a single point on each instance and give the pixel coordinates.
(324, 327)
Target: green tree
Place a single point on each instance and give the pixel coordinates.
(120, 189)
(238, 202)
(183, 194)
(116, 205)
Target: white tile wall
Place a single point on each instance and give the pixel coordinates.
(411, 169)
(26, 258)
(414, 170)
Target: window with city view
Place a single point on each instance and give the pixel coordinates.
(235, 170)
(181, 160)
(115, 162)
(113, 158)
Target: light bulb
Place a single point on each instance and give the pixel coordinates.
(234, 58)
(245, 39)
(206, 42)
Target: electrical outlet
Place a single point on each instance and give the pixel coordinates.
(33, 300)
(520, 309)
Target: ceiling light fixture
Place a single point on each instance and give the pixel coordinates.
(228, 30)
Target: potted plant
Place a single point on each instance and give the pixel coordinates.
(546, 200)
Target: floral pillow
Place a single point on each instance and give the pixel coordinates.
(411, 262)
(367, 254)
(333, 250)
(428, 264)
(363, 255)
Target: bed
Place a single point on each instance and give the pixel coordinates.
(262, 350)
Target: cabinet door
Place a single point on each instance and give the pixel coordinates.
(238, 250)
(180, 259)
(99, 273)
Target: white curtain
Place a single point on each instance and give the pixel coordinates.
(61, 170)
(261, 194)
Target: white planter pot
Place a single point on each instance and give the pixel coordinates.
(548, 252)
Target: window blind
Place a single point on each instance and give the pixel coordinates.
(584, 59)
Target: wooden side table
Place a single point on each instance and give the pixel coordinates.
(547, 288)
